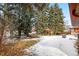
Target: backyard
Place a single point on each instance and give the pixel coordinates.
(37, 29)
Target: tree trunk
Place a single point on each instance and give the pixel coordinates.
(19, 32)
(1, 33)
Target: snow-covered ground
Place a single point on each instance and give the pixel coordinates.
(55, 45)
(40, 50)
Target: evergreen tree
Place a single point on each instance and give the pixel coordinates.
(5, 16)
(56, 17)
(41, 18)
(22, 17)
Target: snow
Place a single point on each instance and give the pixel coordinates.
(39, 50)
(55, 46)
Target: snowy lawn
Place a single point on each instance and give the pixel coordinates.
(39, 50)
(51, 45)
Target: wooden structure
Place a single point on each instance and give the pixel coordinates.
(74, 13)
(74, 30)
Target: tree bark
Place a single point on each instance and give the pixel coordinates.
(1, 33)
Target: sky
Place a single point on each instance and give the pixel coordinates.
(66, 13)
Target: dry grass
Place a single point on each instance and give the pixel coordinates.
(16, 49)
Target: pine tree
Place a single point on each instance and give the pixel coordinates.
(56, 17)
(5, 16)
(41, 18)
